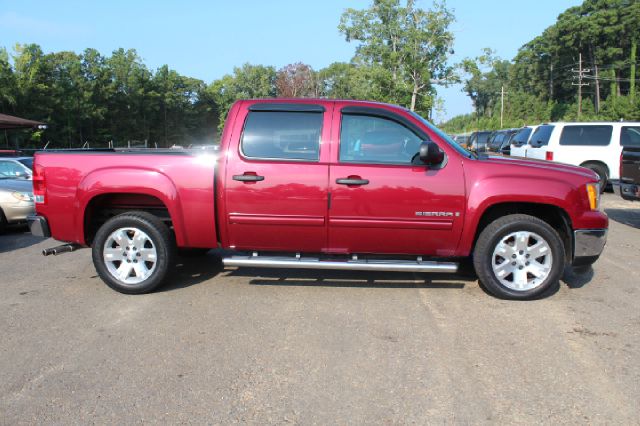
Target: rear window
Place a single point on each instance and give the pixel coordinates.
(541, 136)
(27, 162)
(282, 135)
(522, 136)
(586, 135)
(630, 136)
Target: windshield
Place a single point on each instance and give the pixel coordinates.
(444, 136)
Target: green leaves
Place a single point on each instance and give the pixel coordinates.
(411, 44)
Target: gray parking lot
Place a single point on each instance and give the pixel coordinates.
(270, 346)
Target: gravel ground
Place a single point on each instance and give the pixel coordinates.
(268, 346)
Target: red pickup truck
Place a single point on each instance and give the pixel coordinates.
(323, 184)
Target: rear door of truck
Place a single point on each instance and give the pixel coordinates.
(276, 177)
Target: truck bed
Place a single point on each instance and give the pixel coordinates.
(171, 183)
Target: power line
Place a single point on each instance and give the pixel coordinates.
(580, 74)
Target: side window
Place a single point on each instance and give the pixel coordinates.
(522, 136)
(586, 135)
(541, 136)
(282, 135)
(376, 140)
(630, 136)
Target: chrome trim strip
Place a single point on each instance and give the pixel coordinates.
(351, 265)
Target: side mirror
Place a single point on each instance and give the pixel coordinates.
(431, 154)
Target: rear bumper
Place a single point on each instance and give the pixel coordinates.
(588, 245)
(39, 226)
(18, 212)
(628, 191)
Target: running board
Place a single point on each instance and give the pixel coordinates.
(350, 265)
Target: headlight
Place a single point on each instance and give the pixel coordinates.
(593, 193)
(22, 196)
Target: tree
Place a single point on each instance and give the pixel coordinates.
(296, 81)
(248, 81)
(411, 44)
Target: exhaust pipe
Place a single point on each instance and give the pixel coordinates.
(64, 248)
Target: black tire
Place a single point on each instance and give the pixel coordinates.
(160, 238)
(500, 229)
(602, 174)
(3, 222)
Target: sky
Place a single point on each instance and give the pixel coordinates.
(206, 39)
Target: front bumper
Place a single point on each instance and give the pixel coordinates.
(588, 245)
(39, 226)
(628, 191)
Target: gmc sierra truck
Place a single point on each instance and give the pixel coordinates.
(323, 184)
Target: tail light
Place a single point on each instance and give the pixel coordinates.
(39, 187)
(620, 168)
(549, 156)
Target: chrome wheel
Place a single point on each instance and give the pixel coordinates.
(130, 255)
(522, 260)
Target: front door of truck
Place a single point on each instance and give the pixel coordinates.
(276, 178)
(382, 199)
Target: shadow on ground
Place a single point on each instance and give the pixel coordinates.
(630, 217)
(577, 278)
(356, 279)
(17, 237)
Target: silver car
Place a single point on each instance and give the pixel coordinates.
(16, 200)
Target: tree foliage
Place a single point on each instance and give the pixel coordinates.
(542, 75)
(408, 45)
(90, 97)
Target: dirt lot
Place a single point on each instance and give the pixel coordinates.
(255, 345)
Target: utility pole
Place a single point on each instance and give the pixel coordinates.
(580, 75)
(502, 93)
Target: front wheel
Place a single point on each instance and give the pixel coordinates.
(519, 257)
(132, 252)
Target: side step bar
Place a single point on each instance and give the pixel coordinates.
(350, 265)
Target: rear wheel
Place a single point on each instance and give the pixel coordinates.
(519, 257)
(132, 252)
(601, 171)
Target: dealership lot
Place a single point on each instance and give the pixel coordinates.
(257, 345)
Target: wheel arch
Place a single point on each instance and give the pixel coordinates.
(555, 216)
(104, 206)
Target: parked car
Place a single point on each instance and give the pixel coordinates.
(500, 141)
(520, 141)
(16, 200)
(323, 184)
(628, 187)
(478, 141)
(16, 167)
(595, 146)
(462, 140)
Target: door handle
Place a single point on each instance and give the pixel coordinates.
(352, 181)
(248, 178)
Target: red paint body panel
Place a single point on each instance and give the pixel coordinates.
(183, 183)
(299, 207)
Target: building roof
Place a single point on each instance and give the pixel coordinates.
(11, 122)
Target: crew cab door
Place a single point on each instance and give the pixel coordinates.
(381, 201)
(276, 178)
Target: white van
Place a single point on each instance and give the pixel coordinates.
(596, 146)
(520, 142)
